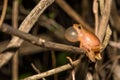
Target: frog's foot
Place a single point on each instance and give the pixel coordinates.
(96, 51)
(98, 56)
(91, 56)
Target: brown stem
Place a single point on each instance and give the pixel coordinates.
(15, 60)
(3, 12)
(39, 41)
(72, 13)
(104, 20)
(52, 71)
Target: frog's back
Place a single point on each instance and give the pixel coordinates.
(90, 39)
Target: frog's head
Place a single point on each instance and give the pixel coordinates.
(79, 29)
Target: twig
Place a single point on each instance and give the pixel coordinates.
(15, 60)
(107, 38)
(50, 24)
(104, 20)
(72, 13)
(115, 18)
(102, 4)
(95, 11)
(39, 41)
(33, 66)
(25, 26)
(114, 44)
(73, 70)
(54, 63)
(15, 14)
(15, 68)
(104, 28)
(53, 26)
(3, 12)
(37, 70)
(52, 71)
(25, 49)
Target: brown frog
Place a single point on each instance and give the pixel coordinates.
(88, 41)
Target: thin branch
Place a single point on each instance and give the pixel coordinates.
(52, 71)
(115, 18)
(15, 68)
(15, 14)
(114, 44)
(25, 49)
(15, 60)
(104, 20)
(102, 4)
(104, 27)
(3, 12)
(95, 11)
(107, 38)
(53, 26)
(37, 70)
(39, 41)
(72, 13)
(54, 63)
(25, 26)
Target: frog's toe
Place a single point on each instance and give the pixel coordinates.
(91, 56)
(98, 56)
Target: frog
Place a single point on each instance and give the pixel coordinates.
(89, 42)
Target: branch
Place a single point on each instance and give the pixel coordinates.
(115, 18)
(95, 11)
(104, 28)
(15, 60)
(72, 13)
(3, 12)
(25, 49)
(53, 26)
(104, 20)
(39, 41)
(52, 71)
(25, 26)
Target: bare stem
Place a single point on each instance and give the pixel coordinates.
(95, 11)
(104, 20)
(39, 41)
(3, 12)
(73, 14)
(52, 71)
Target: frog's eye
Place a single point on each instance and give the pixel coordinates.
(79, 26)
(71, 34)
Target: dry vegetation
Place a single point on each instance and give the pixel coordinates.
(33, 45)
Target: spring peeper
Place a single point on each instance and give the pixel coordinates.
(89, 42)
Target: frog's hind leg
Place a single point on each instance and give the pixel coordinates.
(88, 53)
(91, 55)
(97, 52)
